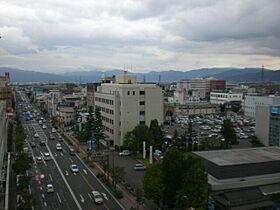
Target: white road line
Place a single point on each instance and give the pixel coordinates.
(39, 182)
(82, 199)
(45, 203)
(43, 196)
(70, 159)
(55, 154)
(61, 154)
(89, 196)
(105, 196)
(66, 173)
(41, 188)
(85, 171)
(59, 199)
(35, 166)
(65, 181)
(51, 178)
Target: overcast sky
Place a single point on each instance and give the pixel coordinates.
(69, 35)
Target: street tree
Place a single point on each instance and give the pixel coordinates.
(153, 183)
(255, 141)
(228, 133)
(22, 163)
(118, 174)
(139, 197)
(156, 134)
(98, 130)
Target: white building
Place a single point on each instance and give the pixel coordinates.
(54, 97)
(251, 102)
(126, 104)
(224, 97)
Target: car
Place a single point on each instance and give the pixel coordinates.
(32, 144)
(58, 147)
(39, 159)
(51, 137)
(36, 135)
(44, 121)
(49, 188)
(42, 143)
(44, 126)
(60, 139)
(97, 197)
(72, 151)
(40, 122)
(125, 153)
(47, 156)
(139, 167)
(53, 130)
(74, 168)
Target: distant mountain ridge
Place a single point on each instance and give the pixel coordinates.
(229, 74)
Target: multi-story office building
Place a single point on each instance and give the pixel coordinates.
(91, 89)
(268, 125)
(252, 101)
(126, 104)
(6, 92)
(223, 97)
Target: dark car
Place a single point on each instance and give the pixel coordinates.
(32, 144)
(42, 143)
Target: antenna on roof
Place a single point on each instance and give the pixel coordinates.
(262, 73)
(144, 78)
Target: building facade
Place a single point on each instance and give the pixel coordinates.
(223, 97)
(65, 116)
(252, 101)
(126, 104)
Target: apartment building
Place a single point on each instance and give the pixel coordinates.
(223, 97)
(252, 101)
(125, 104)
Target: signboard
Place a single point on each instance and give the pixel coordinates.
(275, 110)
(90, 144)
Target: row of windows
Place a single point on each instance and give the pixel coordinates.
(141, 92)
(106, 110)
(108, 129)
(105, 101)
(108, 120)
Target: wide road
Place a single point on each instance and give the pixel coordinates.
(72, 190)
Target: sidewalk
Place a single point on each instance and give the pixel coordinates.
(128, 200)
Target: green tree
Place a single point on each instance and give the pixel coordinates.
(228, 133)
(194, 190)
(98, 130)
(22, 163)
(153, 183)
(190, 136)
(156, 134)
(118, 174)
(23, 183)
(173, 168)
(256, 142)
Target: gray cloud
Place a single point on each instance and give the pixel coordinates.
(150, 34)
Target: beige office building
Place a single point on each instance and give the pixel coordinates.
(126, 104)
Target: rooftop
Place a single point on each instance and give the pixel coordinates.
(241, 156)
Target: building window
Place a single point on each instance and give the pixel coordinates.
(142, 102)
(133, 93)
(142, 122)
(142, 92)
(128, 93)
(142, 112)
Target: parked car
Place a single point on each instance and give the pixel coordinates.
(74, 168)
(139, 167)
(49, 188)
(125, 153)
(97, 197)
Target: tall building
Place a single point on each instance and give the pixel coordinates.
(126, 104)
(252, 101)
(6, 92)
(268, 125)
(217, 85)
(91, 89)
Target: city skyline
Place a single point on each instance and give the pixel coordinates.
(63, 36)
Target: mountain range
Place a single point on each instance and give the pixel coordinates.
(229, 74)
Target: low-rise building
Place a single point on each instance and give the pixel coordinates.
(242, 178)
(65, 115)
(224, 97)
(252, 101)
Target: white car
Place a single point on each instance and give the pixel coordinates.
(49, 188)
(97, 197)
(58, 147)
(125, 153)
(40, 122)
(44, 126)
(39, 159)
(53, 130)
(47, 156)
(36, 135)
(74, 168)
(139, 167)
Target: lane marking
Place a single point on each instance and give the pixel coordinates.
(105, 196)
(51, 178)
(43, 196)
(82, 199)
(85, 171)
(66, 173)
(45, 203)
(41, 188)
(71, 160)
(39, 182)
(61, 154)
(89, 196)
(59, 199)
(55, 154)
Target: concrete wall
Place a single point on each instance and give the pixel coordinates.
(262, 124)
